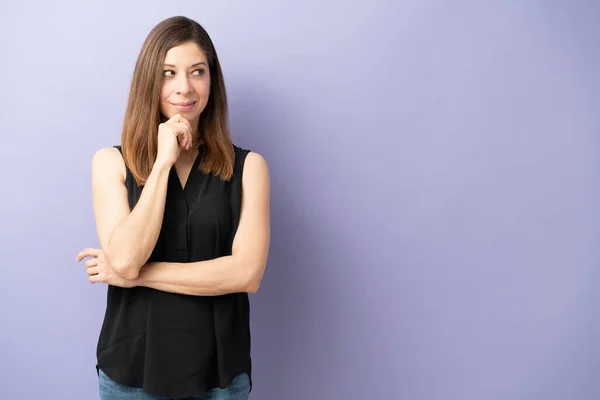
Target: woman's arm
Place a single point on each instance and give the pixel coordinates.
(126, 237)
(243, 270)
(205, 278)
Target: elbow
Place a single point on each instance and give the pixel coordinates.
(252, 287)
(124, 264)
(128, 273)
(254, 279)
(126, 270)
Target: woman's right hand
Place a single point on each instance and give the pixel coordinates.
(173, 136)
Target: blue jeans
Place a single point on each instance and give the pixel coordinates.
(239, 389)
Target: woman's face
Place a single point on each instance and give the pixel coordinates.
(186, 82)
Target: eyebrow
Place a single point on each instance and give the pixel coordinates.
(194, 65)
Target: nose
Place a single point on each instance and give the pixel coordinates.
(182, 85)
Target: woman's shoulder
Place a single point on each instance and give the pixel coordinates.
(246, 157)
(250, 165)
(109, 157)
(109, 161)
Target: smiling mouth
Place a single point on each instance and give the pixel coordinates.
(184, 104)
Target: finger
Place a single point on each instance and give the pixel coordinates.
(190, 133)
(184, 134)
(179, 118)
(180, 131)
(99, 277)
(185, 124)
(92, 262)
(174, 118)
(88, 252)
(93, 271)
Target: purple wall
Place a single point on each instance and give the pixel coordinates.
(435, 171)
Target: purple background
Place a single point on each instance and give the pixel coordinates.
(435, 171)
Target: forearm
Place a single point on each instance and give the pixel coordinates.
(205, 278)
(133, 240)
(172, 288)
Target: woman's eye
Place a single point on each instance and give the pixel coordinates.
(168, 72)
(199, 71)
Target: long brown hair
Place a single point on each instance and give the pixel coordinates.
(139, 138)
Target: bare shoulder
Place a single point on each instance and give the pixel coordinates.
(255, 168)
(255, 176)
(108, 161)
(255, 164)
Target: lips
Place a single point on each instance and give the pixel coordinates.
(184, 103)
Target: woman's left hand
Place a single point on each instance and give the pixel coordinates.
(100, 270)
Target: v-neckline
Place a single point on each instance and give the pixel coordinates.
(194, 167)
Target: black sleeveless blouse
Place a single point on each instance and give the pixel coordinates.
(175, 345)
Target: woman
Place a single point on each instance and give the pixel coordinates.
(180, 249)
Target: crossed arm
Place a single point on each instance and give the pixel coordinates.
(137, 231)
